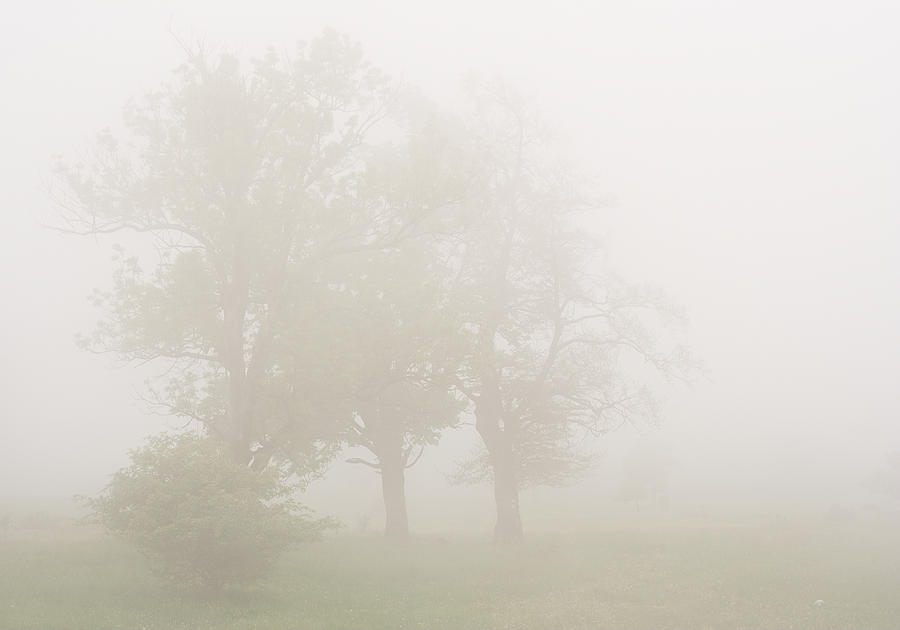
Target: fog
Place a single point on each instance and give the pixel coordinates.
(748, 153)
(745, 156)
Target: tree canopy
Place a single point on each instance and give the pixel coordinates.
(338, 262)
(248, 182)
(546, 324)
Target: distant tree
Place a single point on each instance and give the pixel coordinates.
(401, 404)
(202, 519)
(645, 475)
(886, 479)
(395, 302)
(248, 184)
(548, 331)
(309, 289)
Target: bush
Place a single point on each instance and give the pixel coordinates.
(202, 519)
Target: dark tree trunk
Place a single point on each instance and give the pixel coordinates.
(396, 523)
(506, 495)
(498, 440)
(393, 486)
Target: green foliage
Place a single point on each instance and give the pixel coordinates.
(246, 178)
(553, 348)
(341, 263)
(268, 189)
(399, 395)
(201, 518)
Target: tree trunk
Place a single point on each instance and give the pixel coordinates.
(396, 523)
(506, 495)
(236, 295)
(393, 482)
(498, 441)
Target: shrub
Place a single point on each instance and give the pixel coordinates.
(200, 518)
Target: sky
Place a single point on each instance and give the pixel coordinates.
(750, 152)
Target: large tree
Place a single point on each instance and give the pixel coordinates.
(393, 302)
(547, 328)
(400, 403)
(247, 181)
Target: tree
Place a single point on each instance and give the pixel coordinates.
(886, 480)
(394, 301)
(203, 520)
(645, 475)
(247, 183)
(547, 328)
(400, 403)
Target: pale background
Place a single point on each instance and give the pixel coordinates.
(752, 150)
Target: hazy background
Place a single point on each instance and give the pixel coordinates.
(752, 150)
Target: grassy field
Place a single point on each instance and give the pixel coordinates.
(691, 577)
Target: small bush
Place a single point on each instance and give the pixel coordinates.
(202, 519)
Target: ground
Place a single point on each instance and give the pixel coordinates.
(730, 576)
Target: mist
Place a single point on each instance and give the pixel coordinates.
(741, 159)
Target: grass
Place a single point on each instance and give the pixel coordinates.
(664, 577)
